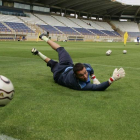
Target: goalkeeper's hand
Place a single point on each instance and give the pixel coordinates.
(117, 74)
(95, 80)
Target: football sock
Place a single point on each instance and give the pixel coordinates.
(42, 55)
(45, 38)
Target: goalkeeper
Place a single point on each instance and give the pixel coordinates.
(74, 76)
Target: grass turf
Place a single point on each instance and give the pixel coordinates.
(44, 110)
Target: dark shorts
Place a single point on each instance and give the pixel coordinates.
(59, 67)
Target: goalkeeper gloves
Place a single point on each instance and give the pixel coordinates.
(95, 80)
(44, 37)
(34, 51)
(117, 74)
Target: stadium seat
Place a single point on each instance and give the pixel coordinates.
(50, 29)
(4, 28)
(19, 27)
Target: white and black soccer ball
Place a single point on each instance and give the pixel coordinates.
(124, 51)
(108, 52)
(6, 90)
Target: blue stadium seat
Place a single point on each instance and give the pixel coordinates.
(109, 33)
(49, 29)
(83, 31)
(97, 32)
(116, 33)
(19, 27)
(4, 28)
(67, 30)
(133, 34)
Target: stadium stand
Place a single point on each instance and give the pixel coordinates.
(65, 25)
(68, 24)
(49, 20)
(84, 31)
(67, 30)
(96, 29)
(32, 19)
(15, 23)
(126, 26)
(130, 27)
(11, 18)
(82, 27)
(19, 27)
(97, 32)
(56, 25)
(133, 34)
(4, 28)
(50, 29)
(66, 21)
(106, 28)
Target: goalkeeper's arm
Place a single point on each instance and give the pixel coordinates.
(117, 74)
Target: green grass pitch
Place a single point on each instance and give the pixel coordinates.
(44, 110)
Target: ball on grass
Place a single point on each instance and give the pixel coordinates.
(124, 51)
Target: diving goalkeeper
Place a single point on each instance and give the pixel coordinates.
(76, 76)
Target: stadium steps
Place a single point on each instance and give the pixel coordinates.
(28, 25)
(113, 27)
(82, 27)
(73, 27)
(47, 23)
(66, 25)
(35, 28)
(75, 23)
(38, 29)
(76, 31)
(101, 30)
(97, 29)
(91, 26)
(116, 29)
(104, 34)
(120, 32)
(58, 20)
(57, 29)
(115, 34)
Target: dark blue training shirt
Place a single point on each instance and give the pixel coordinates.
(68, 79)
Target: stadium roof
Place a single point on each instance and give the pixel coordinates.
(96, 8)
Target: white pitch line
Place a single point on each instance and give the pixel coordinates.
(5, 137)
(116, 66)
(77, 62)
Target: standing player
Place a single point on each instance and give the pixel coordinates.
(138, 40)
(74, 76)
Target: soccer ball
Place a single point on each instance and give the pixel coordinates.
(6, 90)
(124, 51)
(108, 52)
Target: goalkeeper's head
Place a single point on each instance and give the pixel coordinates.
(80, 72)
